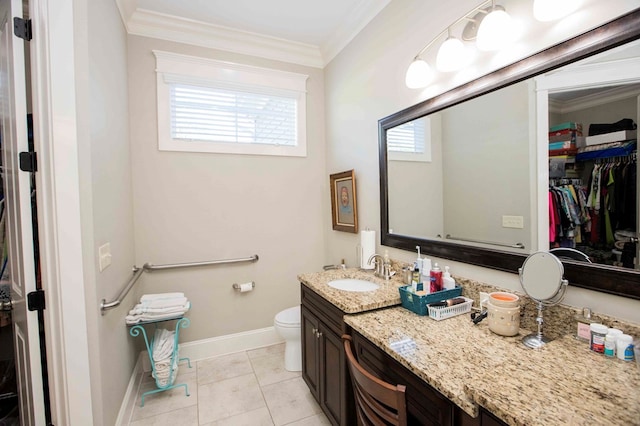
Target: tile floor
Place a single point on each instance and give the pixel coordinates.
(246, 388)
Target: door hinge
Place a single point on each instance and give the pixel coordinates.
(28, 161)
(35, 300)
(22, 28)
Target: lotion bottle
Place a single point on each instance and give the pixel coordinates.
(448, 283)
(426, 275)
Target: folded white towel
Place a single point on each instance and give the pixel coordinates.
(135, 319)
(164, 303)
(160, 296)
(141, 309)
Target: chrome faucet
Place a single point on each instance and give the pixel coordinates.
(382, 268)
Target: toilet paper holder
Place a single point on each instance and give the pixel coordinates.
(238, 287)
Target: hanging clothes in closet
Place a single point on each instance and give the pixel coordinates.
(569, 216)
(612, 199)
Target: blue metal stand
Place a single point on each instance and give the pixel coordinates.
(137, 329)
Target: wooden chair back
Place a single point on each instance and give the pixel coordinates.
(378, 403)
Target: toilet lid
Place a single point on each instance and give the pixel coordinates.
(289, 316)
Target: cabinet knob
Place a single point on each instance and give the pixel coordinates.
(315, 331)
(319, 334)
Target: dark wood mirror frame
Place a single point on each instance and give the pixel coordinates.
(602, 278)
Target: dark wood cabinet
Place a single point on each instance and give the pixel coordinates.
(425, 405)
(324, 366)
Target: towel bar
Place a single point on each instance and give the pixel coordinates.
(105, 306)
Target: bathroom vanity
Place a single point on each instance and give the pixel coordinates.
(456, 373)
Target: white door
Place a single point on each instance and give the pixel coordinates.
(17, 190)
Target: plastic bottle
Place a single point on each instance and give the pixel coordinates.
(418, 261)
(624, 347)
(610, 345)
(436, 278)
(598, 333)
(425, 275)
(448, 283)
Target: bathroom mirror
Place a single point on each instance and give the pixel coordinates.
(542, 279)
(404, 226)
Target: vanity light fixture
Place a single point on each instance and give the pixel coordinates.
(495, 30)
(451, 55)
(490, 27)
(550, 10)
(419, 74)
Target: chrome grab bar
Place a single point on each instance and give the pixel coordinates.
(150, 267)
(105, 306)
(469, 240)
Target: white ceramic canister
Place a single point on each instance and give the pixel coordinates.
(503, 320)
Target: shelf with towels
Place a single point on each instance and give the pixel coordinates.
(163, 373)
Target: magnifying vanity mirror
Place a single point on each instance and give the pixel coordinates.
(477, 190)
(542, 279)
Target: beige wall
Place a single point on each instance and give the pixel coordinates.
(365, 83)
(106, 196)
(196, 206)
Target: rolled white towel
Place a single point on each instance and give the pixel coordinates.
(160, 296)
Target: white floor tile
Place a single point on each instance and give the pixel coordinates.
(166, 401)
(290, 401)
(223, 367)
(259, 417)
(227, 398)
(182, 417)
(249, 388)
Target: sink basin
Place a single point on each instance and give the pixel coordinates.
(351, 284)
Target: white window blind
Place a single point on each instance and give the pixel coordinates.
(205, 105)
(410, 141)
(231, 116)
(408, 137)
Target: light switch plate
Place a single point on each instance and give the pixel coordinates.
(513, 222)
(104, 256)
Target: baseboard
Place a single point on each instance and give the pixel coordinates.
(130, 396)
(195, 351)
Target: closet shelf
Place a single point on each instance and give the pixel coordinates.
(612, 150)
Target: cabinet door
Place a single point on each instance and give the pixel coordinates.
(331, 374)
(310, 352)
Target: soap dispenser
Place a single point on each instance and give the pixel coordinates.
(448, 283)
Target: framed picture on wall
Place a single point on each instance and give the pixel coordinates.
(344, 212)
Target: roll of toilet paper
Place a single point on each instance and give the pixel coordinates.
(246, 287)
(367, 247)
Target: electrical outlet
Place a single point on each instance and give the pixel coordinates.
(513, 222)
(484, 298)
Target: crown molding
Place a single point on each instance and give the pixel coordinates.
(148, 23)
(595, 99)
(355, 22)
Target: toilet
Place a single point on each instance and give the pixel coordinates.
(287, 325)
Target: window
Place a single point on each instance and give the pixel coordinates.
(213, 106)
(410, 141)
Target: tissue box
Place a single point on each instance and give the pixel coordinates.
(418, 304)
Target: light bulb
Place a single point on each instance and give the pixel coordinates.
(550, 10)
(418, 74)
(451, 55)
(495, 31)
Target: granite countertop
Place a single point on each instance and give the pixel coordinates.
(562, 383)
(350, 301)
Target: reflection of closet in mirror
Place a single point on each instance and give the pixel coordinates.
(593, 183)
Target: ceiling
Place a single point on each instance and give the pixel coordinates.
(305, 32)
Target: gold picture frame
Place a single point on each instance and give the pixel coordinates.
(344, 211)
